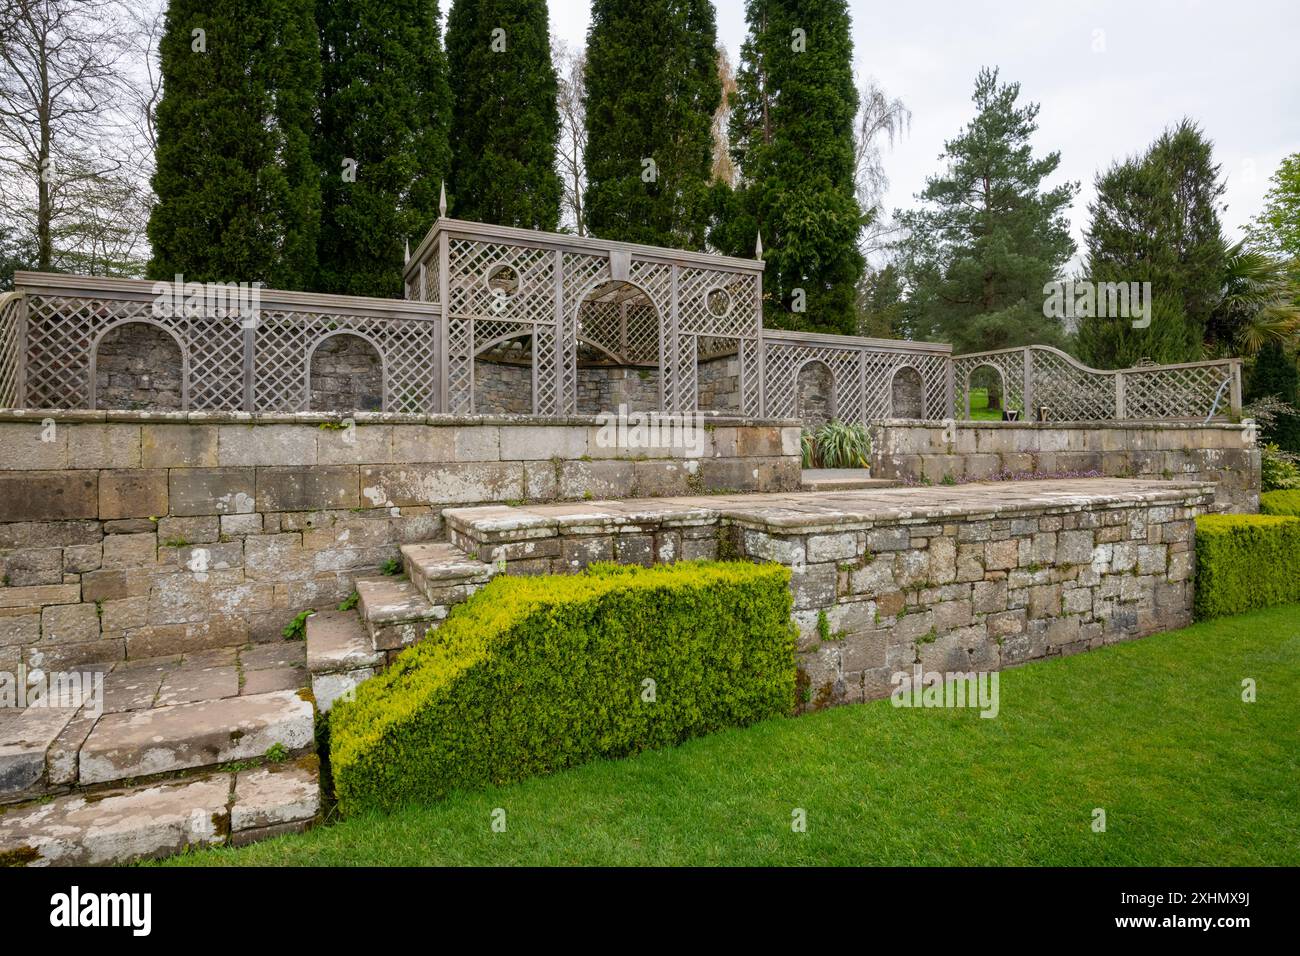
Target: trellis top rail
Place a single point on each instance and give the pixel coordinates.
(536, 239)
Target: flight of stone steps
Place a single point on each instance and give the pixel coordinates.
(346, 647)
(174, 755)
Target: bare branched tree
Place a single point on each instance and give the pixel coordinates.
(78, 80)
(571, 156)
(881, 121)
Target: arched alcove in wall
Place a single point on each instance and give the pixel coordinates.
(346, 375)
(815, 394)
(907, 394)
(139, 365)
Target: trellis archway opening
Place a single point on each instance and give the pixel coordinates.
(618, 338)
(907, 393)
(985, 395)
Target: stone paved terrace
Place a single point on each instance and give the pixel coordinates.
(810, 512)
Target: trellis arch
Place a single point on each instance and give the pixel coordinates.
(898, 370)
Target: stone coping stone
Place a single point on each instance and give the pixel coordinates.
(799, 512)
(711, 419)
(1109, 423)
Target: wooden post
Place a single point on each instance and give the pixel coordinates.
(1121, 398)
(1027, 387)
(1235, 388)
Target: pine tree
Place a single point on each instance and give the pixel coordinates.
(988, 237)
(238, 190)
(1156, 219)
(652, 88)
(505, 123)
(382, 138)
(792, 140)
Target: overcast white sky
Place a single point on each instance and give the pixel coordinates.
(1232, 66)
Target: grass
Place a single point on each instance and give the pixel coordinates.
(979, 407)
(1153, 731)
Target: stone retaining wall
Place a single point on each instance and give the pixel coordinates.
(959, 581)
(930, 452)
(143, 534)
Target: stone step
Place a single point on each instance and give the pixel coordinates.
(206, 733)
(340, 655)
(843, 479)
(444, 573)
(122, 825)
(395, 612)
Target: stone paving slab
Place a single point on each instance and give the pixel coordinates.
(337, 641)
(179, 737)
(186, 685)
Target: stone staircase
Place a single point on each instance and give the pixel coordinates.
(168, 755)
(345, 648)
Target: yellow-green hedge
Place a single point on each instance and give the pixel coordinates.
(1245, 562)
(1280, 503)
(534, 674)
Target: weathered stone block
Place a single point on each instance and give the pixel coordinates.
(48, 495)
(69, 624)
(212, 491)
(267, 445)
(178, 446)
(358, 445)
(103, 445)
(130, 551)
(28, 446)
(323, 487)
(134, 493)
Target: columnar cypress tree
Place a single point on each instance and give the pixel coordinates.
(382, 138)
(1275, 374)
(652, 88)
(238, 190)
(792, 139)
(504, 123)
(1156, 219)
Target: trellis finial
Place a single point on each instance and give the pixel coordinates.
(442, 201)
(407, 255)
(758, 246)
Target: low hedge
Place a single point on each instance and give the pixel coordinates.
(534, 674)
(1280, 503)
(1245, 562)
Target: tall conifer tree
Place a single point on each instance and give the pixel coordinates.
(238, 190)
(652, 89)
(382, 138)
(1156, 219)
(505, 122)
(792, 139)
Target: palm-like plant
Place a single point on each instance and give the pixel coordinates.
(1260, 300)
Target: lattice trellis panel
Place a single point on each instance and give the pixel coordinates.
(11, 314)
(284, 340)
(63, 331)
(1178, 392)
(784, 362)
(581, 273)
(1071, 392)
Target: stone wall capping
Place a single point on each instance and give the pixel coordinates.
(710, 419)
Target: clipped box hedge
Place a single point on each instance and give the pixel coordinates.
(1280, 503)
(1245, 562)
(534, 674)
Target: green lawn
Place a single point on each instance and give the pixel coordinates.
(979, 407)
(1154, 731)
